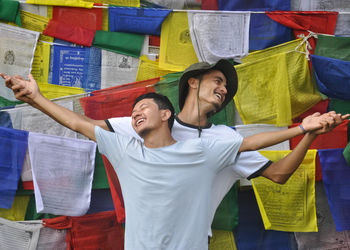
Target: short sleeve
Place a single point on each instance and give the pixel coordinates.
(250, 164)
(111, 144)
(123, 126)
(222, 153)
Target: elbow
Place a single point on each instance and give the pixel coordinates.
(279, 179)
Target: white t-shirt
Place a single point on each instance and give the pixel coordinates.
(166, 189)
(247, 165)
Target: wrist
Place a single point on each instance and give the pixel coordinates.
(303, 130)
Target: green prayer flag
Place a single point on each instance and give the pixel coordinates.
(129, 44)
(100, 180)
(31, 213)
(346, 154)
(226, 216)
(7, 103)
(9, 11)
(334, 47)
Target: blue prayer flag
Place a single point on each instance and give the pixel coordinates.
(137, 20)
(101, 200)
(251, 234)
(254, 5)
(76, 67)
(336, 175)
(5, 119)
(13, 147)
(332, 76)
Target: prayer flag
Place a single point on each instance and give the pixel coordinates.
(205, 28)
(289, 207)
(5, 120)
(336, 174)
(210, 5)
(62, 173)
(95, 231)
(35, 22)
(346, 154)
(254, 5)
(176, 49)
(333, 46)
(76, 67)
(321, 107)
(339, 106)
(13, 146)
(149, 69)
(302, 22)
(222, 240)
(17, 210)
(130, 3)
(119, 42)
(101, 200)
(275, 89)
(53, 91)
(9, 11)
(332, 76)
(70, 3)
(137, 20)
(250, 233)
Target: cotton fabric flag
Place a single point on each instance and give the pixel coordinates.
(149, 69)
(254, 5)
(339, 106)
(137, 20)
(35, 22)
(321, 107)
(176, 49)
(62, 173)
(17, 210)
(222, 240)
(5, 120)
(54, 91)
(333, 46)
(116, 104)
(250, 233)
(17, 47)
(226, 215)
(130, 3)
(119, 42)
(205, 28)
(336, 174)
(15, 235)
(289, 207)
(52, 239)
(117, 69)
(303, 22)
(332, 76)
(100, 180)
(326, 237)
(346, 154)
(13, 146)
(275, 89)
(342, 28)
(96, 231)
(32, 214)
(101, 200)
(210, 5)
(41, 62)
(71, 3)
(75, 67)
(9, 11)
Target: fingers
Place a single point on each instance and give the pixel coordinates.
(22, 92)
(345, 116)
(316, 114)
(31, 78)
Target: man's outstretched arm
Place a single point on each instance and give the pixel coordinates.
(28, 91)
(316, 122)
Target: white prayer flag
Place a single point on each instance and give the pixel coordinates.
(62, 171)
(217, 35)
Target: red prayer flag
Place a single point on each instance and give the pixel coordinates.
(92, 231)
(303, 21)
(210, 5)
(116, 104)
(70, 33)
(90, 19)
(337, 138)
(321, 106)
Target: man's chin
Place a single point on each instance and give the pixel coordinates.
(143, 132)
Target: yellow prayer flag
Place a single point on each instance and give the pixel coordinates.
(128, 3)
(105, 20)
(291, 206)
(149, 69)
(275, 89)
(222, 240)
(18, 209)
(52, 91)
(283, 47)
(41, 62)
(35, 22)
(176, 49)
(69, 3)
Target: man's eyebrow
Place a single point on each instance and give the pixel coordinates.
(219, 78)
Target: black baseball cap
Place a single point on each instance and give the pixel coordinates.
(222, 65)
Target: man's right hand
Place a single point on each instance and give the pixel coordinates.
(23, 90)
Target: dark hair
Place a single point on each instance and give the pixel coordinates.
(162, 101)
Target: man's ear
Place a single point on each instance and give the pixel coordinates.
(193, 83)
(165, 114)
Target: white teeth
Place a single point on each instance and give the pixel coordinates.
(139, 121)
(218, 95)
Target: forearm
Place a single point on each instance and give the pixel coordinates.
(65, 117)
(281, 170)
(266, 139)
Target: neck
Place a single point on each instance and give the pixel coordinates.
(189, 113)
(158, 139)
